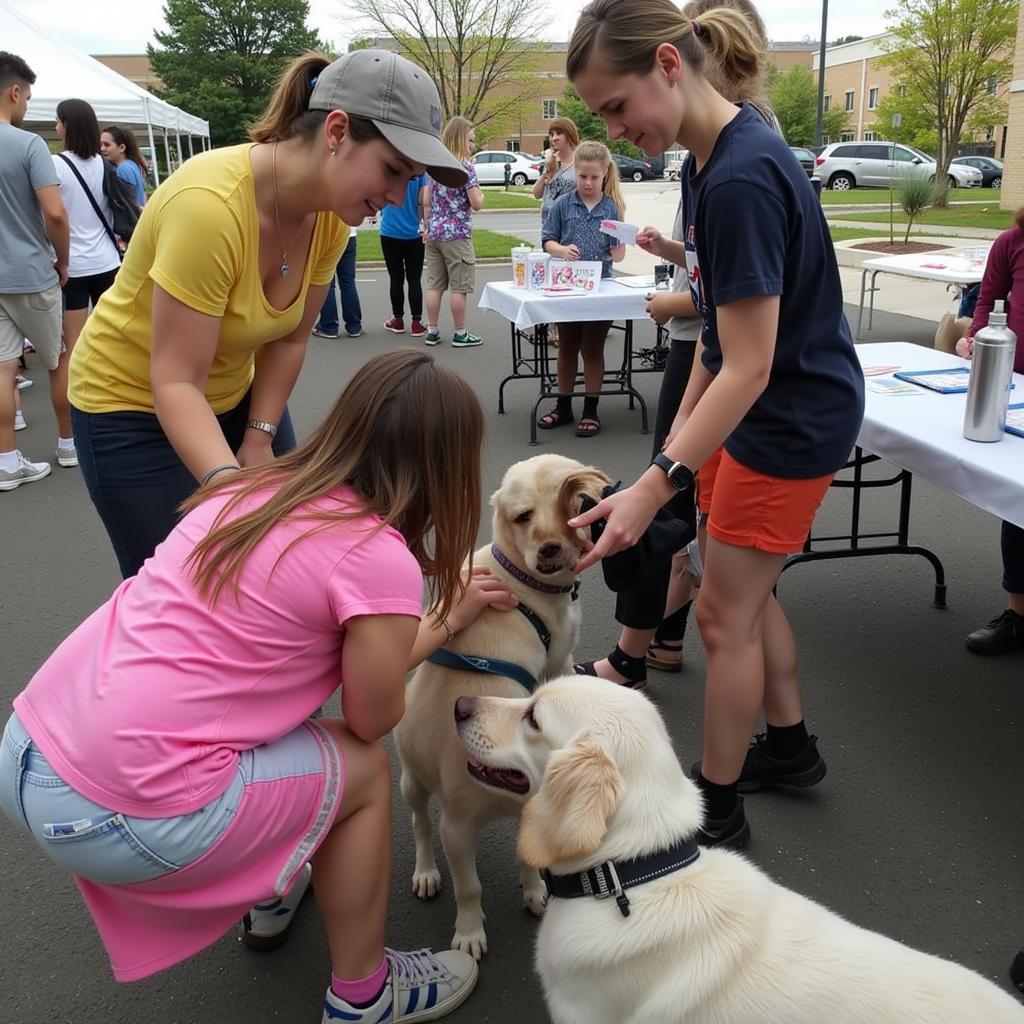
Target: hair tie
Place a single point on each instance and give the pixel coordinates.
(695, 27)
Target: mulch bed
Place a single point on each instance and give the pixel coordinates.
(899, 248)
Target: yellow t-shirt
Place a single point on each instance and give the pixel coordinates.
(198, 238)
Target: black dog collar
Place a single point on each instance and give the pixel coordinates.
(611, 878)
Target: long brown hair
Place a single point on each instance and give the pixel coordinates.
(567, 126)
(288, 115)
(745, 89)
(126, 137)
(81, 129)
(628, 34)
(405, 436)
(598, 153)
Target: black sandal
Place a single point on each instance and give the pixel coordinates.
(555, 418)
(589, 426)
(661, 663)
(634, 669)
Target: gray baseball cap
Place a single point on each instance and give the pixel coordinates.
(399, 98)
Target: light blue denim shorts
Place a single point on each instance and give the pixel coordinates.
(104, 846)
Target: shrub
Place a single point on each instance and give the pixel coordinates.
(915, 192)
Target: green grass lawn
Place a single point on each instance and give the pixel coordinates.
(486, 245)
(858, 196)
(957, 216)
(499, 199)
(840, 234)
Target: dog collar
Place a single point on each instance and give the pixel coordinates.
(612, 878)
(531, 581)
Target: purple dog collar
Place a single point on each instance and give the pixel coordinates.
(531, 581)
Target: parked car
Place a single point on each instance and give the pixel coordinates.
(490, 167)
(991, 169)
(635, 170)
(674, 164)
(806, 158)
(846, 165)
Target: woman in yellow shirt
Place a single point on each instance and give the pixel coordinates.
(185, 367)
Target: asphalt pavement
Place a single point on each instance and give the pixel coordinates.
(916, 831)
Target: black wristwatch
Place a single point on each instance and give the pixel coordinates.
(679, 476)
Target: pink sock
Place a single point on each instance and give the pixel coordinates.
(362, 990)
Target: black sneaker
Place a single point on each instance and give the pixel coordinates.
(1003, 634)
(732, 832)
(760, 769)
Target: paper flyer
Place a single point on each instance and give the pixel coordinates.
(620, 231)
(883, 386)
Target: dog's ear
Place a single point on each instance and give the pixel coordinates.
(588, 481)
(568, 817)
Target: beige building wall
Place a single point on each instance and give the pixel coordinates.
(133, 66)
(1013, 183)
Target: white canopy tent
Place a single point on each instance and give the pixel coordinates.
(63, 72)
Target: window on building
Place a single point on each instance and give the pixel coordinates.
(901, 91)
(990, 133)
(512, 145)
(992, 85)
(870, 136)
(846, 137)
(550, 110)
(849, 99)
(873, 98)
(826, 140)
(827, 104)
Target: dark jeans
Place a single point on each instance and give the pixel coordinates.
(644, 607)
(351, 311)
(135, 478)
(404, 260)
(1012, 543)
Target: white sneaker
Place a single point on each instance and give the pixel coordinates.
(266, 925)
(19, 420)
(67, 457)
(22, 383)
(26, 473)
(421, 986)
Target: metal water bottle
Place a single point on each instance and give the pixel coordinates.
(988, 393)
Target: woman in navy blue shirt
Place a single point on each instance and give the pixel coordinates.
(776, 396)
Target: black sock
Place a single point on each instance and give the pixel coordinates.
(673, 627)
(590, 407)
(719, 801)
(786, 741)
(563, 406)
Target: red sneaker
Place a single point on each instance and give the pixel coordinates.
(396, 325)
(416, 329)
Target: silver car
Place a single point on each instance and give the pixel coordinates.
(845, 165)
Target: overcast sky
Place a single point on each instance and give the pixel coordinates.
(132, 27)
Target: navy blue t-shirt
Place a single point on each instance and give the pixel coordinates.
(753, 226)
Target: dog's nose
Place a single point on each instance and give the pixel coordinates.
(550, 551)
(464, 708)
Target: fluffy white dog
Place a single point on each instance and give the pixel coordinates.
(703, 936)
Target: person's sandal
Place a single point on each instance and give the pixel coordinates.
(555, 418)
(634, 669)
(665, 655)
(589, 426)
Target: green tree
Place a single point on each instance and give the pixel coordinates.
(591, 126)
(846, 39)
(482, 54)
(794, 98)
(916, 128)
(945, 52)
(221, 59)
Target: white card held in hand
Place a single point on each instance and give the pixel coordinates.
(621, 231)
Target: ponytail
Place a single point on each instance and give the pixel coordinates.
(598, 153)
(288, 112)
(627, 36)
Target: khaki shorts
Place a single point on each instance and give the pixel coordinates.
(451, 265)
(36, 316)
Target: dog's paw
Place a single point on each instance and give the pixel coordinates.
(534, 900)
(426, 884)
(472, 942)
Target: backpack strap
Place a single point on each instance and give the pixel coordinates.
(92, 199)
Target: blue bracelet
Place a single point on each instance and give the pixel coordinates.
(218, 469)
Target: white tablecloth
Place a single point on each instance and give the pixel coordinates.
(526, 309)
(924, 434)
(954, 268)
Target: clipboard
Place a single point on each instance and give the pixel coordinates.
(952, 381)
(1015, 419)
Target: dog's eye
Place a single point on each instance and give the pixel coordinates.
(530, 720)
(523, 517)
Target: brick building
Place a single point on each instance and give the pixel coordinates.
(1013, 182)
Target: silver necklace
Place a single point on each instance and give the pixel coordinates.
(284, 268)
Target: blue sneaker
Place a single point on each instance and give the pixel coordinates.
(432, 338)
(266, 925)
(421, 986)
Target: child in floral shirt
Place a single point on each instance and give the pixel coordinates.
(450, 258)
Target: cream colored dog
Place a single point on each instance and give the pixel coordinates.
(715, 942)
(531, 507)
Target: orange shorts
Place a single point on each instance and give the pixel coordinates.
(751, 510)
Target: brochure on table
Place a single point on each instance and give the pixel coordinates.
(568, 276)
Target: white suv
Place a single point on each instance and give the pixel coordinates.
(490, 167)
(846, 165)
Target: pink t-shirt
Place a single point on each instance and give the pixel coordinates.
(146, 706)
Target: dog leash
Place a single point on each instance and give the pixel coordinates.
(612, 878)
(495, 666)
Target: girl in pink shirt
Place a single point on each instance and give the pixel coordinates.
(165, 754)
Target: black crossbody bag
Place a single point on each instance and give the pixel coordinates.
(123, 226)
